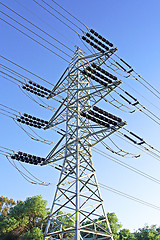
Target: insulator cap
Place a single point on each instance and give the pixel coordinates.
(88, 35)
(83, 114)
(96, 41)
(47, 90)
(107, 80)
(92, 44)
(107, 114)
(92, 31)
(99, 36)
(20, 153)
(107, 48)
(96, 34)
(102, 38)
(93, 77)
(94, 65)
(88, 68)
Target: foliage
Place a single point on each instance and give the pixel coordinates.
(22, 221)
(34, 209)
(68, 221)
(24, 217)
(6, 204)
(114, 224)
(148, 233)
(33, 234)
(125, 234)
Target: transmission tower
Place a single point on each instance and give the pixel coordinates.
(77, 211)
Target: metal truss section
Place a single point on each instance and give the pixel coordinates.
(95, 91)
(77, 212)
(97, 58)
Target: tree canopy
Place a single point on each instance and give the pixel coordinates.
(6, 204)
(22, 221)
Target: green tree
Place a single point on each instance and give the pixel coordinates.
(125, 234)
(148, 233)
(114, 224)
(23, 217)
(67, 220)
(113, 221)
(5, 205)
(33, 209)
(33, 234)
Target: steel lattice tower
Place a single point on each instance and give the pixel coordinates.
(78, 211)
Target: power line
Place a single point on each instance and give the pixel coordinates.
(26, 70)
(132, 87)
(37, 27)
(9, 80)
(135, 170)
(129, 196)
(28, 95)
(124, 70)
(55, 17)
(25, 176)
(70, 14)
(14, 117)
(147, 151)
(34, 40)
(4, 67)
(120, 152)
(142, 142)
(62, 15)
(44, 105)
(142, 109)
(31, 136)
(12, 77)
(36, 34)
(46, 23)
(141, 95)
(138, 75)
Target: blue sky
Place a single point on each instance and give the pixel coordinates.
(133, 26)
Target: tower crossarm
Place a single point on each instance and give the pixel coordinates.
(61, 84)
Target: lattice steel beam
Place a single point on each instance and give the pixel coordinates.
(77, 211)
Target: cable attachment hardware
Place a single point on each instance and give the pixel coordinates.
(136, 136)
(27, 158)
(36, 89)
(136, 102)
(101, 46)
(32, 121)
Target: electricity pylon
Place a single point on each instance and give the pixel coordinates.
(78, 211)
